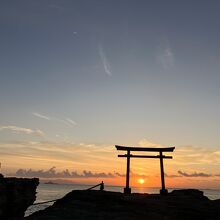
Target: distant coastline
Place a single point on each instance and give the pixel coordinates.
(50, 182)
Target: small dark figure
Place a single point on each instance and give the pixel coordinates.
(102, 186)
(1, 175)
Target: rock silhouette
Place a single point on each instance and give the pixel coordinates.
(89, 205)
(16, 194)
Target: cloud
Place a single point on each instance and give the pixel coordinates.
(89, 174)
(105, 61)
(147, 143)
(103, 158)
(70, 121)
(172, 176)
(196, 156)
(189, 158)
(66, 121)
(132, 174)
(41, 116)
(39, 132)
(195, 174)
(119, 174)
(136, 175)
(16, 129)
(26, 154)
(166, 57)
(52, 173)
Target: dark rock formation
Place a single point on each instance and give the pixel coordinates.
(97, 205)
(16, 194)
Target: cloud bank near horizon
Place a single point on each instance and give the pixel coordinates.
(53, 173)
(195, 174)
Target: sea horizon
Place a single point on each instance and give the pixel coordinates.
(132, 186)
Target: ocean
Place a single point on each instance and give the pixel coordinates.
(47, 192)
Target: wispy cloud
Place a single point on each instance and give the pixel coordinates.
(191, 158)
(196, 156)
(105, 61)
(195, 174)
(166, 57)
(63, 153)
(16, 129)
(70, 121)
(66, 121)
(41, 116)
(147, 143)
(185, 156)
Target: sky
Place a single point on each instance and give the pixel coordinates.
(78, 77)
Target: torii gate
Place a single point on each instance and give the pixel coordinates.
(127, 189)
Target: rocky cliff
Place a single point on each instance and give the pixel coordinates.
(97, 205)
(16, 194)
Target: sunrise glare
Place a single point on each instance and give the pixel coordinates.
(141, 181)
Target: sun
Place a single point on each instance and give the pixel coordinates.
(141, 181)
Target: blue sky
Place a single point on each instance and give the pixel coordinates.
(110, 72)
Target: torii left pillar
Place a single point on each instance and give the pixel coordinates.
(127, 189)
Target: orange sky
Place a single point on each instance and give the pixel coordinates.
(190, 167)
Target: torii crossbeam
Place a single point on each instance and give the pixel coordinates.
(127, 189)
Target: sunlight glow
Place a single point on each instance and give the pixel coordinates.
(141, 181)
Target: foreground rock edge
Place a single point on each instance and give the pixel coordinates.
(16, 195)
(179, 204)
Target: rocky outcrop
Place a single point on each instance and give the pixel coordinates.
(97, 205)
(16, 194)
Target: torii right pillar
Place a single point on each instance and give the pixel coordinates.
(163, 190)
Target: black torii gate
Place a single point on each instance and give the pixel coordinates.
(127, 189)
